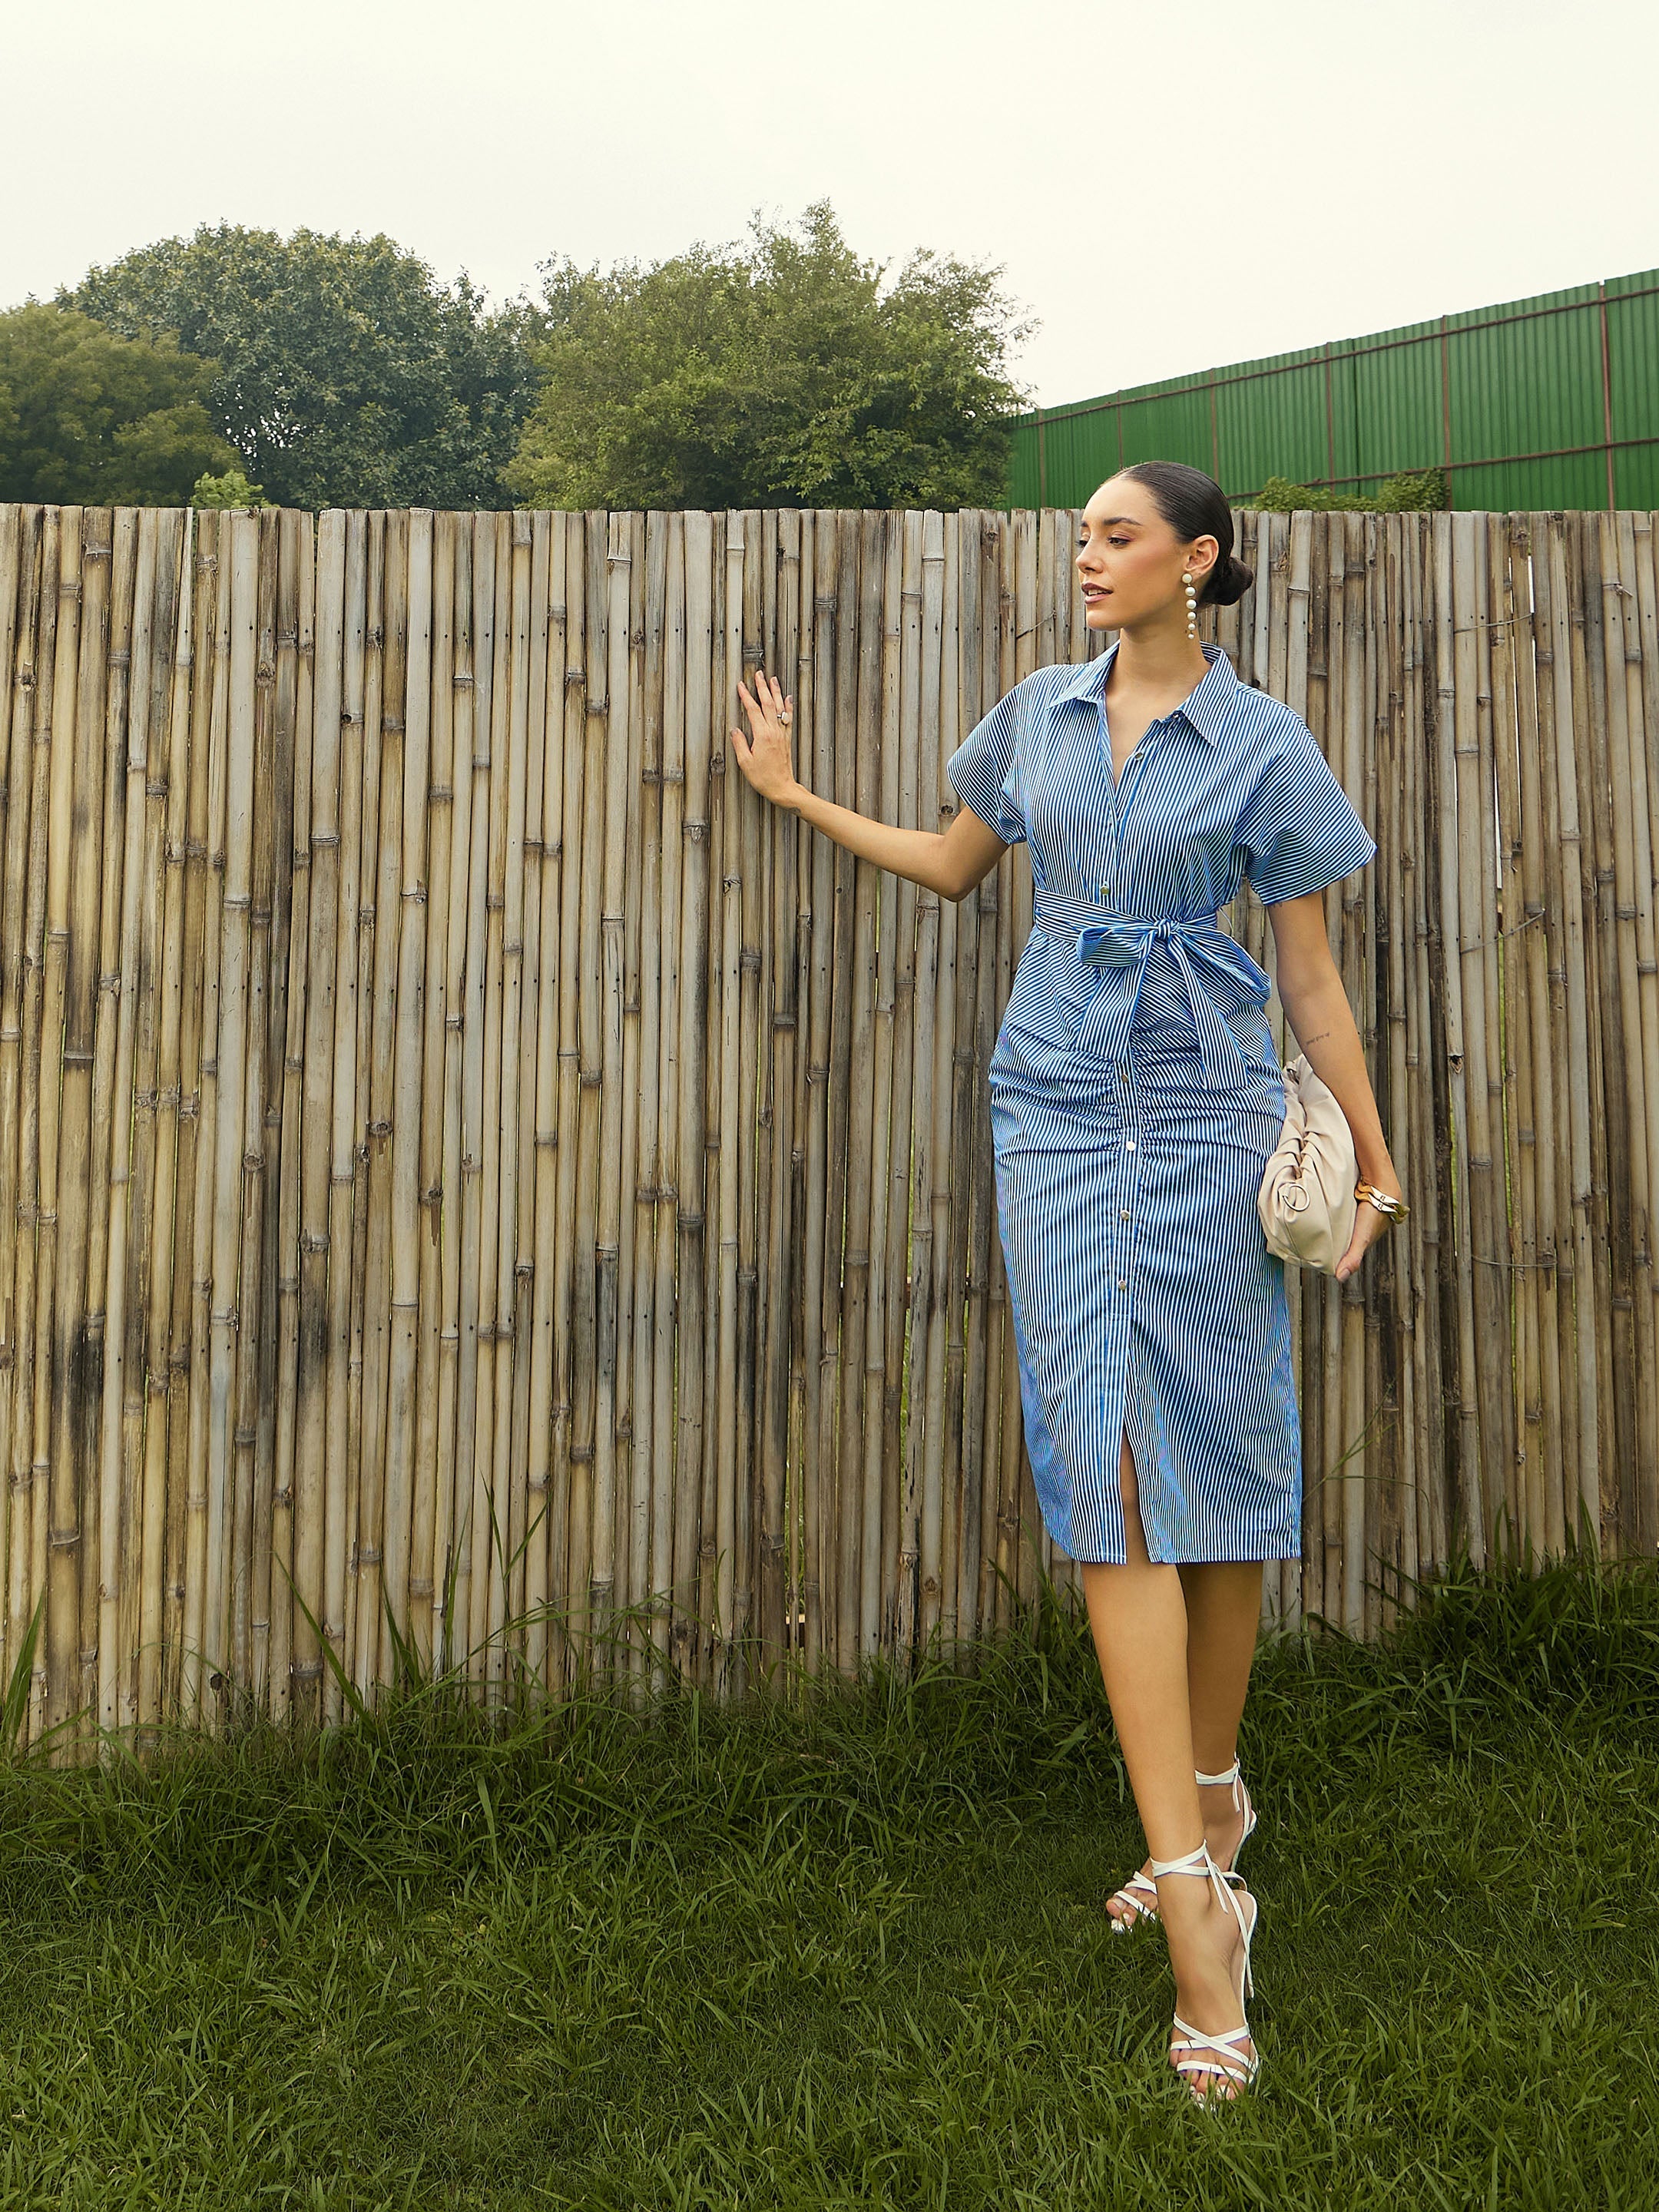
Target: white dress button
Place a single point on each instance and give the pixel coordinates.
(1128, 1144)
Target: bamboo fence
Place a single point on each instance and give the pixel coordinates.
(474, 1177)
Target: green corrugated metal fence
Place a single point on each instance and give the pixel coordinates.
(1551, 402)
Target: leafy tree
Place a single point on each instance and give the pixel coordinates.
(345, 374)
(780, 373)
(1407, 494)
(230, 490)
(88, 417)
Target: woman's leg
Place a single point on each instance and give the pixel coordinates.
(1138, 1613)
(1223, 1614)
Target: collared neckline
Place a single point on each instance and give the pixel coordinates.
(1205, 706)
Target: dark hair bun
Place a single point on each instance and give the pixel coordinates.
(1194, 506)
(1228, 582)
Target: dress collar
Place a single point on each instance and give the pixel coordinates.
(1205, 706)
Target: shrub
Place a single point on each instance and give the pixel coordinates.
(1396, 495)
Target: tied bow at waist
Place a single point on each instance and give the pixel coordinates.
(1107, 938)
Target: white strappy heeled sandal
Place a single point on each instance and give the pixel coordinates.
(1239, 2067)
(1141, 1895)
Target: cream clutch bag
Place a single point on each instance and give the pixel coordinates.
(1309, 1194)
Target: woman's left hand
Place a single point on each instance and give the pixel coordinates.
(1368, 1225)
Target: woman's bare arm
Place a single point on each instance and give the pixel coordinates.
(1316, 1004)
(949, 862)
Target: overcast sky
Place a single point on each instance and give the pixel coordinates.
(1169, 187)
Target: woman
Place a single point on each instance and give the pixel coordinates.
(1136, 1096)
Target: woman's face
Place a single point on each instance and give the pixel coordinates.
(1130, 563)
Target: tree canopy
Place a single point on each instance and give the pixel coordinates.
(781, 372)
(90, 419)
(343, 373)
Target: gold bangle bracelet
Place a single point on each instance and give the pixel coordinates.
(1395, 1208)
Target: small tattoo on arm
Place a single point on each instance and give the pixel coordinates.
(1306, 1041)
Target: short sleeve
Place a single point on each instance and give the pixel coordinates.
(984, 770)
(1299, 831)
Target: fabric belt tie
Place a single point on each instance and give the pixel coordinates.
(1109, 939)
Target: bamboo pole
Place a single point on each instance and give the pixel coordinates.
(667, 1543)
(482, 1085)
(231, 857)
(543, 1522)
(360, 1112)
(724, 1112)
(753, 635)
(1539, 917)
(431, 720)
(777, 1290)
(801, 1510)
(568, 1473)
(470, 899)
(21, 615)
(247, 1506)
(98, 1475)
(343, 1115)
(323, 872)
(856, 1094)
(924, 687)
(816, 712)
(945, 726)
(901, 622)
(296, 672)
(1639, 991)
(503, 1069)
(590, 1538)
(1636, 545)
(650, 552)
(37, 1180)
(1457, 848)
(1513, 727)
(403, 1567)
(452, 1504)
(1485, 1229)
(118, 1553)
(1613, 1138)
(208, 818)
(64, 1079)
(274, 885)
(1389, 1309)
(693, 996)
(375, 1115)
(615, 1131)
(1592, 1289)
(711, 1649)
(523, 1529)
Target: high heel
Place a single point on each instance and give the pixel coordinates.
(1241, 2068)
(1141, 1895)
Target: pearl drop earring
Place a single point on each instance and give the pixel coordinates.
(1192, 607)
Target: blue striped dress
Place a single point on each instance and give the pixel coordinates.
(1136, 1095)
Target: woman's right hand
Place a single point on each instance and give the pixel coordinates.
(765, 756)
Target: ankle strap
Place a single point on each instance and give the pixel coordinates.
(1215, 1780)
(1196, 1861)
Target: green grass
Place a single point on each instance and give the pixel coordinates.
(855, 1954)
